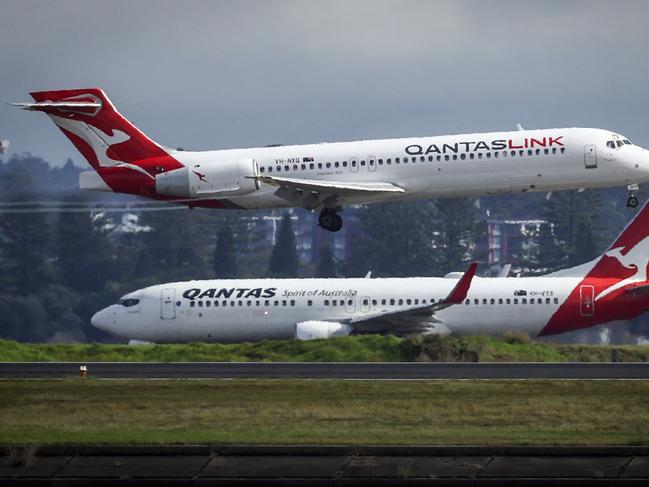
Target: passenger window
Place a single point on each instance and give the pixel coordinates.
(326, 302)
(283, 302)
(439, 158)
(538, 151)
(554, 150)
(276, 303)
(292, 302)
(208, 304)
(455, 157)
(476, 301)
(400, 302)
(240, 303)
(392, 302)
(344, 163)
(529, 152)
(521, 153)
(200, 304)
(319, 165)
(496, 155)
(192, 304)
(248, 303)
(262, 169)
(462, 156)
(508, 301)
(337, 164)
(257, 303)
(350, 302)
(374, 302)
(383, 302)
(515, 300)
(546, 151)
(468, 301)
(480, 155)
(266, 303)
(396, 160)
(500, 301)
(556, 300)
(365, 302)
(303, 167)
(408, 301)
(513, 153)
(523, 300)
(328, 165)
(311, 166)
(446, 157)
(422, 159)
(309, 303)
(430, 158)
(286, 168)
(547, 300)
(362, 163)
(492, 301)
(472, 155)
(270, 169)
(563, 149)
(484, 301)
(488, 155)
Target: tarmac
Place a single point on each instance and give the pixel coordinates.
(328, 466)
(337, 370)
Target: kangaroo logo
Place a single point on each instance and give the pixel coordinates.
(636, 258)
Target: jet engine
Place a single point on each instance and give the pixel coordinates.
(312, 330)
(228, 178)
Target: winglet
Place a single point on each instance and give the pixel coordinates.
(459, 292)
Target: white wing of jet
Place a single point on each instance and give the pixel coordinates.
(416, 318)
(312, 193)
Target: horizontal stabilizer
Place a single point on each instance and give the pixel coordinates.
(44, 106)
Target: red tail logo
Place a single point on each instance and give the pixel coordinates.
(599, 297)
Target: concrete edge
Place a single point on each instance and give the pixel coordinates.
(333, 450)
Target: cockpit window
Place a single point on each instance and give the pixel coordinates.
(619, 143)
(611, 144)
(129, 302)
(627, 141)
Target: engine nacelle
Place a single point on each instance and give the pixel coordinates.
(229, 178)
(312, 330)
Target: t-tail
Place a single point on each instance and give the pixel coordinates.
(124, 158)
(614, 286)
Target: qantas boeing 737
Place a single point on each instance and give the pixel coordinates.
(612, 287)
(325, 177)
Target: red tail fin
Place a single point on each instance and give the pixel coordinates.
(621, 267)
(112, 145)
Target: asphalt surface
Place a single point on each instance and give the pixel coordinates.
(330, 466)
(345, 370)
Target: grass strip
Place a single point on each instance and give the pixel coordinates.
(366, 348)
(325, 412)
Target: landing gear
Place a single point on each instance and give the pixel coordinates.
(632, 202)
(330, 220)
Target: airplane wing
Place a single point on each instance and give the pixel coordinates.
(313, 193)
(416, 318)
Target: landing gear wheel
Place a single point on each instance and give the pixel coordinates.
(632, 202)
(330, 220)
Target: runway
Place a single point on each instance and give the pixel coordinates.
(337, 370)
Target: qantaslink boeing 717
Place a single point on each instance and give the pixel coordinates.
(326, 177)
(609, 288)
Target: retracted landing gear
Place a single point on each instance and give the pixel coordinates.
(632, 202)
(330, 220)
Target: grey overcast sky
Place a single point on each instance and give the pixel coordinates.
(213, 74)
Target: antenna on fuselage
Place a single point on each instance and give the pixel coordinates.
(368, 275)
(519, 127)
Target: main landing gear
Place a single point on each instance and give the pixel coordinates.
(330, 220)
(632, 202)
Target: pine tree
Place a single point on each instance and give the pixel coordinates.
(225, 263)
(25, 239)
(326, 263)
(283, 259)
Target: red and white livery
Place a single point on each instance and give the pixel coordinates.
(326, 177)
(610, 288)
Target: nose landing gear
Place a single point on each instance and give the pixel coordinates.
(632, 201)
(330, 220)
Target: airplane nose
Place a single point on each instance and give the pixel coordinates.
(101, 320)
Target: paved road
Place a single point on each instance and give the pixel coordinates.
(350, 370)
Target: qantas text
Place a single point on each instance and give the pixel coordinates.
(500, 144)
(240, 292)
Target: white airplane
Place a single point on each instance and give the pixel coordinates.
(611, 287)
(326, 177)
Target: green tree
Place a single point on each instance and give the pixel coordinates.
(84, 253)
(25, 238)
(326, 263)
(283, 259)
(225, 262)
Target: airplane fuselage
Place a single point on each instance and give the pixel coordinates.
(266, 309)
(457, 165)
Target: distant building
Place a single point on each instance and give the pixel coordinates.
(4, 146)
(512, 241)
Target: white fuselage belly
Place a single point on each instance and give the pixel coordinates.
(474, 171)
(253, 319)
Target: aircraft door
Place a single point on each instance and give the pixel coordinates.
(365, 304)
(168, 303)
(586, 300)
(353, 164)
(590, 156)
(371, 163)
(350, 305)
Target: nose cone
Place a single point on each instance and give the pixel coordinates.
(102, 320)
